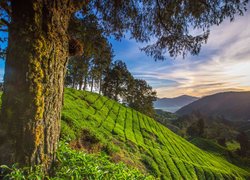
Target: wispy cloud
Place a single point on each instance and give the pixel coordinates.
(223, 64)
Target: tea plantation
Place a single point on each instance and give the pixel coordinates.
(94, 126)
(97, 123)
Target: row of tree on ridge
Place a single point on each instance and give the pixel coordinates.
(94, 69)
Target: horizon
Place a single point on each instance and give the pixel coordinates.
(243, 91)
(222, 65)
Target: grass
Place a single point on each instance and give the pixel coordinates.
(73, 164)
(209, 145)
(140, 141)
(225, 152)
(96, 124)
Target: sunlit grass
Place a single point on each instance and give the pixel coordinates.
(113, 132)
(72, 164)
(142, 140)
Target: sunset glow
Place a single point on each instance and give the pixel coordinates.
(222, 65)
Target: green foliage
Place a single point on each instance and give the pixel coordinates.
(164, 117)
(196, 129)
(105, 127)
(16, 173)
(74, 164)
(136, 93)
(242, 138)
(232, 145)
(151, 165)
(168, 24)
(67, 132)
(90, 67)
(210, 127)
(140, 141)
(117, 81)
(209, 145)
(140, 97)
(215, 135)
(227, 153)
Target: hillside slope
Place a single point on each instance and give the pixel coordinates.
(173, 104)
(233, 106)
(97, 123)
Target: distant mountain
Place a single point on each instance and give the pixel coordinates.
(233, 106)
(173, 104)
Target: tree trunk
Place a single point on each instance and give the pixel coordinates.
(92, 84)
(80, 82)
(80, 86)
(116, 91)
(74, 82)
(34, 79)
(85, 83)
(100, 85)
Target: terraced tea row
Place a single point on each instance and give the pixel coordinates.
(165, 154)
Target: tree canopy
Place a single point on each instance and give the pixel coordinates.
(95, 60)
(4, 23)
(167, 26)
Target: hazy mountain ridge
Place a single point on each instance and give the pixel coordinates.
(173, 104)
(232, 106)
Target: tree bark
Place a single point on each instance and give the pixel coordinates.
(92, 84)
(34, 79)
(100, 85)
(74, 82)
(80, 82)
(85, 83)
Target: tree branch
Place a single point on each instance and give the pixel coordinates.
(78, 4)
(4, 30)
(160, 16)
(4, 5)
(4, 22)
(205, 3)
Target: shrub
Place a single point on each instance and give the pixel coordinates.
(74, 164)
(151, 165)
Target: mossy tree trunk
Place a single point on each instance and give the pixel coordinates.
(34, 79)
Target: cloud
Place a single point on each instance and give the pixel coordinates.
(222, 65)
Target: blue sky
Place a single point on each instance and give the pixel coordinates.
(2, 34)
(222, 65)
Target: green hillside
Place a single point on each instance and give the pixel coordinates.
(75, 165)
(96, 123)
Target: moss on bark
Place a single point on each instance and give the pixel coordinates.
(34, 79)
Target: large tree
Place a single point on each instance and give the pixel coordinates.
(242, 138)
(38, 49)
(117, 80)
(140, 96)
(33, 86)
